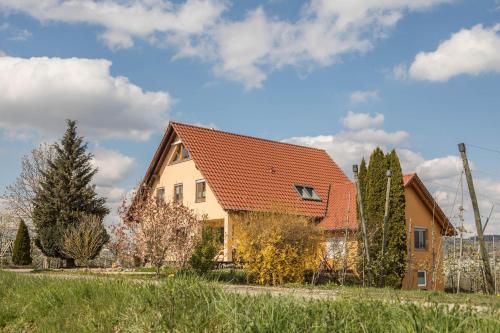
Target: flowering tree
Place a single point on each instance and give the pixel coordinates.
(165, 231)
(121, 243)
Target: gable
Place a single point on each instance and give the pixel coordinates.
(417, 196)
(173, 172)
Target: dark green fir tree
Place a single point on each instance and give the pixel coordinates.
(65, 193)
(376, 185)
(21, 255)
(396, 254)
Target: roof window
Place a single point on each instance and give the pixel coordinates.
(307, 192)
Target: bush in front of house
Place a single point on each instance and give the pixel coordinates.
(203, 258)
(277, 247)
(21, 254)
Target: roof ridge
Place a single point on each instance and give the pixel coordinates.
(248, 136)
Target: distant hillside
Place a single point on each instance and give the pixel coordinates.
(487, 238)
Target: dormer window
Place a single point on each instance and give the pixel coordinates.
(180, 153)
(307, 192)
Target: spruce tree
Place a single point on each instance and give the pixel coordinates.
(21, 255)
(396, 239)
(65, 193)
(376, 184)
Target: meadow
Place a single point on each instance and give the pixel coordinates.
(37, 303)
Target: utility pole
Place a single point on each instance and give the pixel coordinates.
(363, 224)
(490, 285)
(384, 230)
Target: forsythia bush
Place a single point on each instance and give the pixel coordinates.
(277, 247)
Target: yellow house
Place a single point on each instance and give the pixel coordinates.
(219, 174)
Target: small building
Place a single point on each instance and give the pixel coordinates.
(219, 174)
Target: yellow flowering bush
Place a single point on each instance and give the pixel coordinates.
(277, 247)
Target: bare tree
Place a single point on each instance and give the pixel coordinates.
(165, 231)
(84, 240)
(19, 195)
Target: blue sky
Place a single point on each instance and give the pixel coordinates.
(419, 76)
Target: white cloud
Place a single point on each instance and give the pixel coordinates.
(470, 51)
(37, 94)
(360, 139)
(125, 20)
(113, 166)
(355, 120)
(244, 50)
(362, 96)
(440, 168)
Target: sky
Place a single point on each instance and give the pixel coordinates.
(418, 76)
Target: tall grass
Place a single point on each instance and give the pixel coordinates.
(45, 304)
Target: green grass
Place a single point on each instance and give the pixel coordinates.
(36, 303)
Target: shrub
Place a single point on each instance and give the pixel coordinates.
(203, 258)
(84, 240)
(277, 247)
(21, 254)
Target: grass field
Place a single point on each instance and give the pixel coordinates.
(32, 303)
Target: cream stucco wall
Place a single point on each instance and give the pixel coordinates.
(186, 173)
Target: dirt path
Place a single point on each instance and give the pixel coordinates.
(277, 291)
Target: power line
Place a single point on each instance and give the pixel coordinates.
(483, 148)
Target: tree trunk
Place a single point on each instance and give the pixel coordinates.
(70, 263)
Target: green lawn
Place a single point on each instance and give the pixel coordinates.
(36, 303)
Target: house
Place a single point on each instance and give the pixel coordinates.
(219, 174)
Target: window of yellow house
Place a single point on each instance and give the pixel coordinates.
(180, 154)
(178, 193)
(160, 194)
(421, 278)
(420, 241)
(201, 190)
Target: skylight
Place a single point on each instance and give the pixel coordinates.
(307, 192)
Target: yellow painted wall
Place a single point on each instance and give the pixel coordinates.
(187, 173)
(419, 216)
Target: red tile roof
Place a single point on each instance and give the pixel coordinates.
(248, 173)
(342, 212)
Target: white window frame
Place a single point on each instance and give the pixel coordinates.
(181, 185)
(162, 188)
(425, 278)
(196, 200)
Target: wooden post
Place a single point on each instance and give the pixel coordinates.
(363, 224)
(490, 285)
(384, 230)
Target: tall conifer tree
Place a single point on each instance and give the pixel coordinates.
(21, 254)
(376, 184)
(65, 193)
(396, 238)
